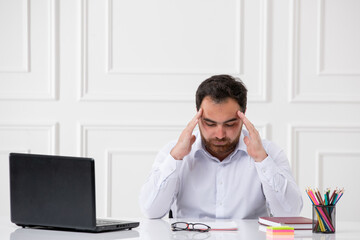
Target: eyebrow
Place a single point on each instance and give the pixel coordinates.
(227, 121)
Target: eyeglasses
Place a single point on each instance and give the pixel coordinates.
(184, 226)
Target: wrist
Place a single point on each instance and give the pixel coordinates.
(175, 155)
(261, 157)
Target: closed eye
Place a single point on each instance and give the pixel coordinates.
(210, 124)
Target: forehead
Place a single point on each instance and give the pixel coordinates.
(219, 112)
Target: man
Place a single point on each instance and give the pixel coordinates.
(222, 171)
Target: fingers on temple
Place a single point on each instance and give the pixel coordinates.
(198, 114)
(250, 127)
(195, 120)
(246, 121)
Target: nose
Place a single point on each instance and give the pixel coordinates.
(220, 131)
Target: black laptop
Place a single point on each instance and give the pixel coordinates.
(56, 192)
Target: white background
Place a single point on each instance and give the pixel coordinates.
(115, 80)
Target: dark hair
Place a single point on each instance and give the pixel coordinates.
(221, 87)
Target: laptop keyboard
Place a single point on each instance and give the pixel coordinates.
(102, 222)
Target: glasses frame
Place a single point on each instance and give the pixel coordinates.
(190, 227)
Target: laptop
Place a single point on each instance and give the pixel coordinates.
(56, 192)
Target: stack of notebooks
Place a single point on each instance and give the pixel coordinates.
(301, 225)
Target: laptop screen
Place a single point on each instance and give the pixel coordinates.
(53, 191)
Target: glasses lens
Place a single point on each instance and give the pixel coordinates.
(180, 225)
(201, 227)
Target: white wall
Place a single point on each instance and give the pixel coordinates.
(115, 80)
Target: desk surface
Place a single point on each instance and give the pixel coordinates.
(160, 230)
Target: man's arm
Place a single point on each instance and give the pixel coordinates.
(280, 189)
(160, 190)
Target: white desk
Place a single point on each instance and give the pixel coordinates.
(160, 230)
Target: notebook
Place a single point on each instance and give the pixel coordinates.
(56, 192)
(296, 222)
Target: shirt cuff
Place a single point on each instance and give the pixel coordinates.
(267, 170)
(169, 168)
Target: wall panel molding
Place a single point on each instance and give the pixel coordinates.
(85, 94)
(319, 163)
(27, 73)
(296, 130)
(320, 74)
(168, 72)
(52, 130)
(321, 40)
(25, 64)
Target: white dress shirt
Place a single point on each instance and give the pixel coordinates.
(200, 186)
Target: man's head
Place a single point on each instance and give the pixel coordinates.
(221, 97)
(221, 87)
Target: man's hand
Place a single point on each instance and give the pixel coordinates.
(254, 145)
(186, 139)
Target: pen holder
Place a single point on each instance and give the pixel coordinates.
(323, 217)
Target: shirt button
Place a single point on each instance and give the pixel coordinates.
(263, 170)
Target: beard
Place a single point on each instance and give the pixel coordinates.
(220, 148)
